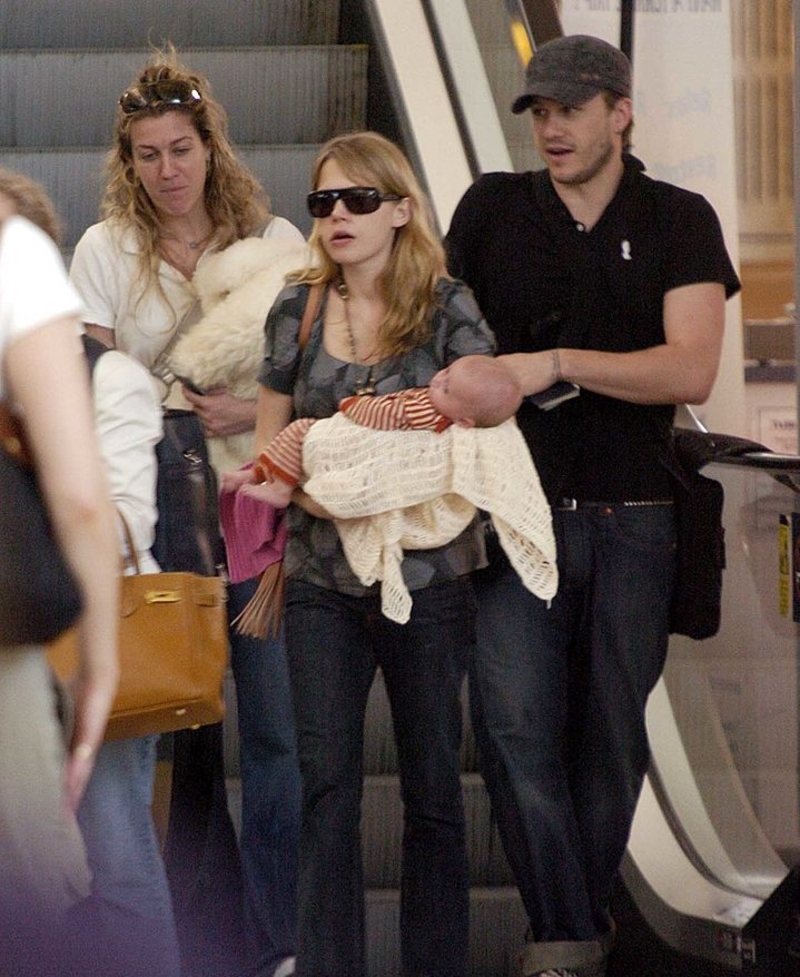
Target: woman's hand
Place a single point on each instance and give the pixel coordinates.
(274, 491)
(221, 413)
(93, 693)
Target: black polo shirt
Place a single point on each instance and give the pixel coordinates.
(542, 281)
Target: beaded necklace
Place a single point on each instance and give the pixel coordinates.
(366, 387)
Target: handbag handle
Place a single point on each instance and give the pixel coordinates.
(132, 558)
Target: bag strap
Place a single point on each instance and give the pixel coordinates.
(313, 302)
(160, 368)
(132, 559)
(263, 613)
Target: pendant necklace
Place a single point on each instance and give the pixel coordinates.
(183, 261)
(365, 388)
(200, 242)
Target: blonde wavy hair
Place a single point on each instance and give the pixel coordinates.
(417, 260)
(236, 202)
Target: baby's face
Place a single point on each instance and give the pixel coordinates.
(451, 394)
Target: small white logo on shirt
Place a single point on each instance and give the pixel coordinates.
(626, 250)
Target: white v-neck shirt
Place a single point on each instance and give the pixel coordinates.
(105, 268)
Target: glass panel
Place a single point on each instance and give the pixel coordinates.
(491, 24)
(734, 696)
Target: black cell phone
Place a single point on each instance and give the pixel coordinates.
(554, 395)
(191, 385)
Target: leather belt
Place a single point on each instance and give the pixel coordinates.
(572, 505)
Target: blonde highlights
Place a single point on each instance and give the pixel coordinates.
(234, 199)
(417, 260)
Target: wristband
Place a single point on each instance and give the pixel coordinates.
(557, 374)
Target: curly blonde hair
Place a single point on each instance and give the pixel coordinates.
(236, 202)
(417, 260)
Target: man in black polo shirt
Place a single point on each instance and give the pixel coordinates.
(590, 272)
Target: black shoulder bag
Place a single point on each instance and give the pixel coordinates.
(187, 536)
(39, 597)
(697, 594)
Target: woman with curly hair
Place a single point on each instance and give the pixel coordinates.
(389, 318)
(176, 197)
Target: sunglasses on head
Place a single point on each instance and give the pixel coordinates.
(151, 94)
(358, 200)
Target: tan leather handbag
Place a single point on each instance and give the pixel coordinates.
(173, 651)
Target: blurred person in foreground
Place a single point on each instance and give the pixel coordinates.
(127, 920)
(45, 759)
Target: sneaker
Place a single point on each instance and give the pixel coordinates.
(524, 965)
(285, 968)
(590, 970)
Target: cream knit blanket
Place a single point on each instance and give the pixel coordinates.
(395, 490)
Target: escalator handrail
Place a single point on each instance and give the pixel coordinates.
(766, 461)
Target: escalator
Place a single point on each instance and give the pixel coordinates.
(709, 882)
(710, 860)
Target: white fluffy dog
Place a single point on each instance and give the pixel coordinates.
(236, 288)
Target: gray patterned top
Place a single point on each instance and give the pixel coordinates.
(318, 381)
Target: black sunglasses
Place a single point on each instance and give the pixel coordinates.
(358, 200)
(151, 94)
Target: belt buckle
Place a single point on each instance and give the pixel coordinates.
(569, 505)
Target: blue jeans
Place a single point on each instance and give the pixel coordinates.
(335, 645)
(236, 904)
(270, 791)
(130, 909)
(558, 696)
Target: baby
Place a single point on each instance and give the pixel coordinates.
(409, 471)
(473, 391)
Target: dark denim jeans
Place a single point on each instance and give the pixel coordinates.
(202, 857)
(270, 777)
(238, 915)
(335, 643)
(558, 696)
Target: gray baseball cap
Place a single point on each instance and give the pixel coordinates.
(571, 70)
